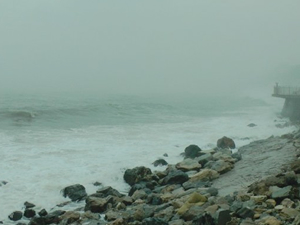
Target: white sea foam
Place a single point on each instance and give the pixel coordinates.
(39, 163)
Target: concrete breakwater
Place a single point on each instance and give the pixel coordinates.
(257, 185)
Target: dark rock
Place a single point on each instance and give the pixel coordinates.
(203, 159)
(195, 184)
(106, 191)
(20, 223)
(137, 174)
(245, 213)
(75, 192)
(160, 162)
(235, 206)
(212, 191)
(204, 219)
(221, 166)
(295, 166)
(237, 156)
(252, 125)
(192, 151)
(15, 216)
(165, 155)
(97, 205)
(222, 217)
(2, 182)
(154, 199)
(225, 142)
(69, 217)
(29, 205)
(43, 212)
(175, 177)
(29, 213)
(154, 221)
(97, 184)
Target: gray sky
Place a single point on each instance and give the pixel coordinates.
(136, 46)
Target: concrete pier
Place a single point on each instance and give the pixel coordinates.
(291, 108)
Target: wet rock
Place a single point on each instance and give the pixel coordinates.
(225, 142)
(188, 164)
(97, 205)
(237, 156)
(137, 174)
(203, 159)
(222, 217)
(195, 184)
(106, 191)
(70, 217)
(43, 212)
(154, 221)
(29, 205)
(205, 175)
(75, 192)
(2, 183)
(160, 162)
(245, 212)
(280, 193)
(221, 166)
(15, 216)
(29, 213)
(175, 177)
(192, 151)
(295, 166)
(204, 219)
(251, 125)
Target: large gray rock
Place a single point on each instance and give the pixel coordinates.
(137, 174)
(188, 164)
(15, 216)
(280, 193)
(192, 151)
(221, 166)
(225, 142)
(97, 205)
(175, 177)
(75, 192)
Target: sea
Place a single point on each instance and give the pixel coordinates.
(51, 141)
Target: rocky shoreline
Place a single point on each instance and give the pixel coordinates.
(259, 184)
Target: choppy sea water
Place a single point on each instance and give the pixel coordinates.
(48, 142)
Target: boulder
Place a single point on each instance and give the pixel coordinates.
(97, 205)
(137, 174)
(15, 216)
(175, 177)
(205, 175)
(203, 159)
(192, 151)
(245, 212)
(29, 205)
(43, 212)
(29, 213)
(154, 221)
(160, 162)
(225, 142)
(106, 191)
(295, 166)
(188, 164)
(280, 193)
(222, 217)
(221, 166)
(75, 192)
(70, 217)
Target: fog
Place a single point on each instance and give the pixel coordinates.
(165, 47)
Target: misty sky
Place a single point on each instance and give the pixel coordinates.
(136, 46)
